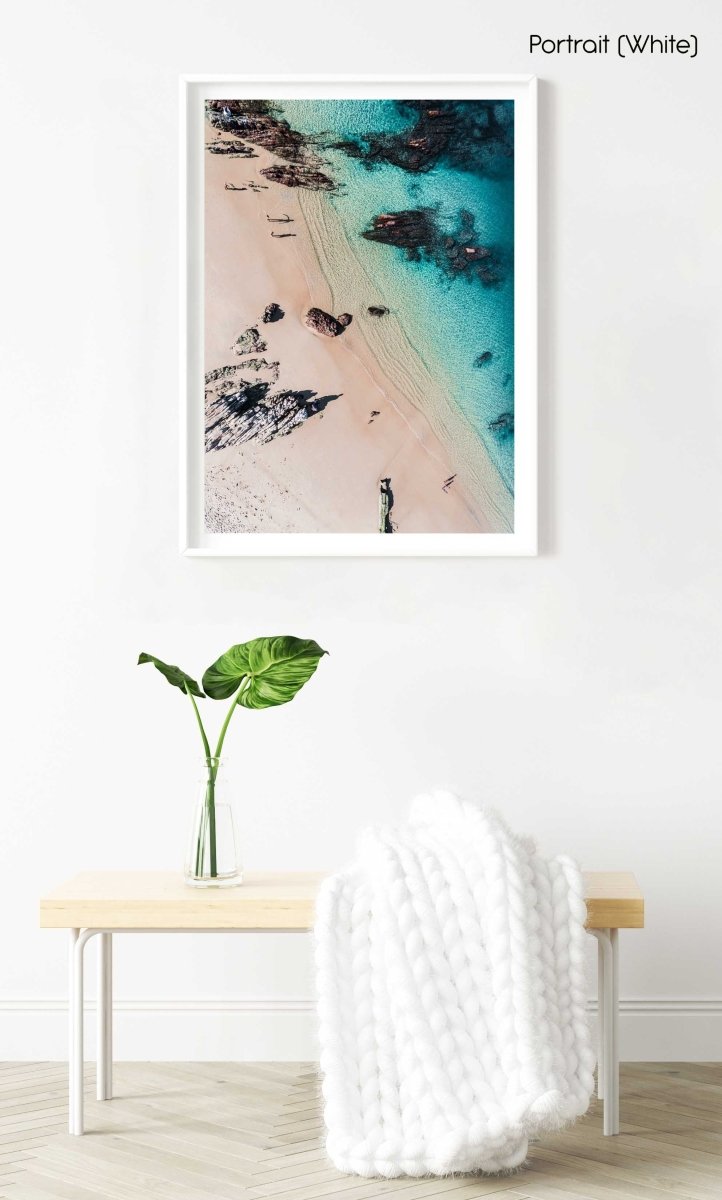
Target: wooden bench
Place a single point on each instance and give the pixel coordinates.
(108, 902)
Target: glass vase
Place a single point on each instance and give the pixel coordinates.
(213, 859)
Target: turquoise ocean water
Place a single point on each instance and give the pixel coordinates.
(449, 320)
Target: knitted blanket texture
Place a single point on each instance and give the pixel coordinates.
(451, 995)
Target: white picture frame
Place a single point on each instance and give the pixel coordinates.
(194, 539)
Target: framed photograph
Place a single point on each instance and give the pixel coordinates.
(359, 316)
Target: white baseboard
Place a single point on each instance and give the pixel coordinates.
(255, 1029)
(669, 1030)
(283, 1029)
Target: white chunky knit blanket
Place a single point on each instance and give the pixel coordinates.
(451, 992)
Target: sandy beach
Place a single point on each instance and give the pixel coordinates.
(324, 475)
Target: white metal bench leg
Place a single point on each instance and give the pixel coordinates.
(78, 939)
(600, 1020)
(608, 1066)
(104, 1075)
(614, 939)
(71, 1030)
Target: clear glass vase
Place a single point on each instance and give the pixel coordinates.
(213, 858)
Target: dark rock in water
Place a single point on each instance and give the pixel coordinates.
(412, 229)
(249, 411)
(462, 254)
(293, 175)
(322, 322)
(483, 359)
(503, 426)
(249, 342)
(377, 310)
(472, 254)
(231, 150)
(272, 312)
(471, 136)
(353, 149)
(416, 231)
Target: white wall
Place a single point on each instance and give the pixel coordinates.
(579, 691)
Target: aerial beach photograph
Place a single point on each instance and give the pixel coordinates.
(359, 316)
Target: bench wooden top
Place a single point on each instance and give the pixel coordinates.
(266, 900)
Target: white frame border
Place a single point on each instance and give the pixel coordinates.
(194, 540)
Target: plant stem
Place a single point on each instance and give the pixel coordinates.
(206, 744)
(199, 844)
(210, 804)
(212, 764)
(221, 737)
(211, 807)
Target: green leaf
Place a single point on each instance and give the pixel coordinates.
(274, 670)
(174, 675)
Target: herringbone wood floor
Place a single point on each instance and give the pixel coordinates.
(236, 1131)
